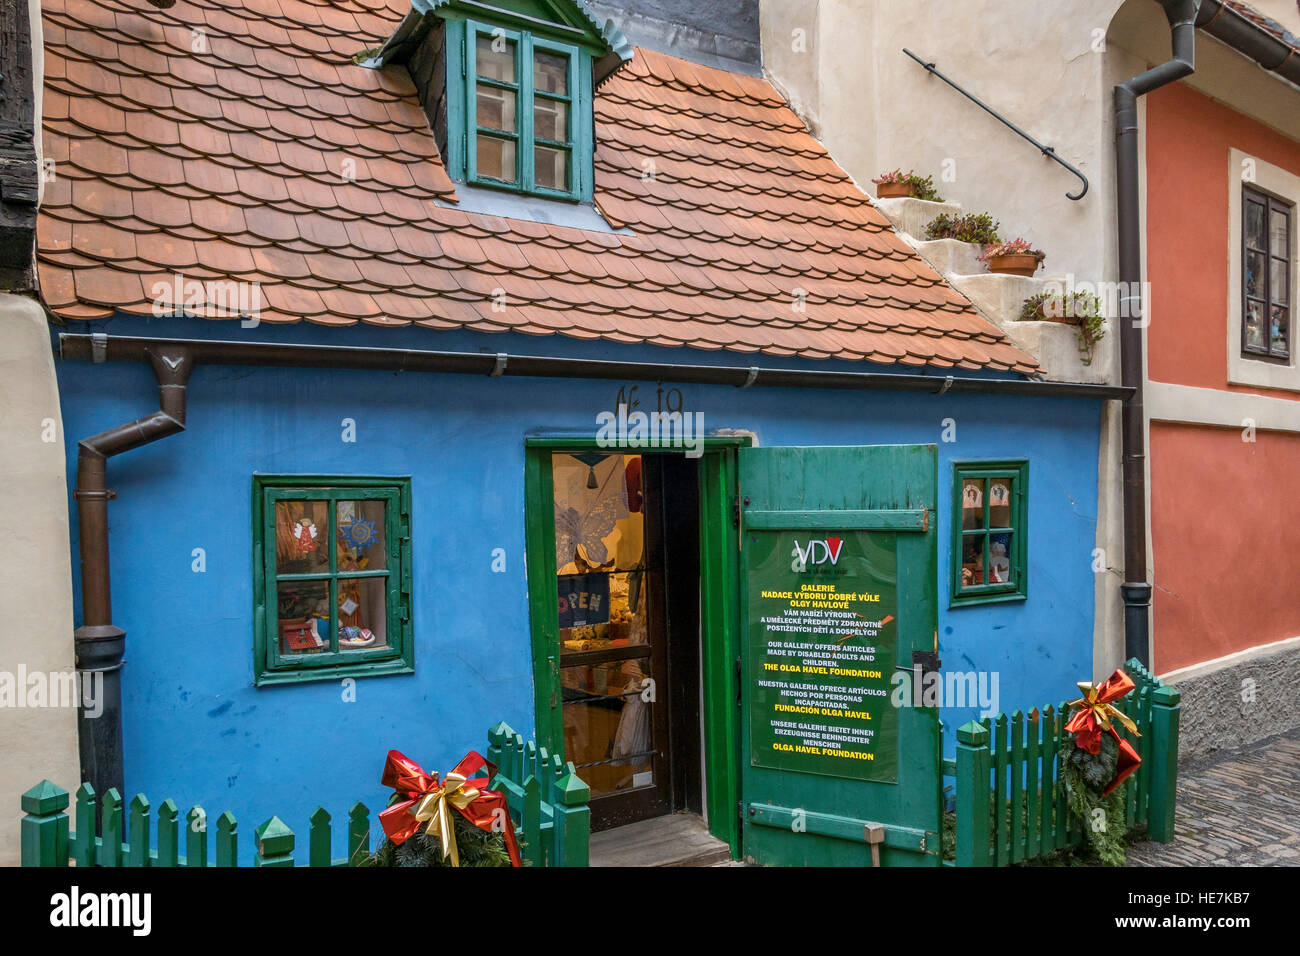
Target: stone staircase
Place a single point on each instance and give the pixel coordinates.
(999, 298)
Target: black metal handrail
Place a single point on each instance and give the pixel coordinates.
(1048, 151)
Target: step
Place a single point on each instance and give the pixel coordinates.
(911, 216)
(678, 839)
(947, 256)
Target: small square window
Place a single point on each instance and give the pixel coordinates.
(989, 528)
(331, 578)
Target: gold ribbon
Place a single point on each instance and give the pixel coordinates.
(1094, 701)
(433, 810)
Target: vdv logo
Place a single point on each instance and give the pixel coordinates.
(816, 552)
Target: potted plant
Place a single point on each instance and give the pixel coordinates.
(901, 185)
(1014, 257)
(1082, 310)
(979, 228)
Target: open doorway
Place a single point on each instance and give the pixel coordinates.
(627, 593)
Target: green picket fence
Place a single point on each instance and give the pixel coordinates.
(1010, 802)
(548, 804)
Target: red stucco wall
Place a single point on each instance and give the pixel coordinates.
(1188, 137)
(1225, 529)
(1225, 514)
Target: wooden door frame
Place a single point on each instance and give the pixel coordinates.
(719, 611)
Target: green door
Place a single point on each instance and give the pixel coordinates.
(839, 592)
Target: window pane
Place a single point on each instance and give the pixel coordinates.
(361, 536)
(1254, 224)
(599, 521)
(496, 108)
(551, 73)
(551, 120)
(1255, 273)
(1278, 227)
(1255, 337)
(972, 560)
(1279, 333)
(550, 167)
(972, 503)
(1277, 280)
(607, 724)
(1000, 502)
(363, 613)
(301, 537)
(599, 611)
(496, 158)
(303, 612)
(495, 58)
(1000, 559)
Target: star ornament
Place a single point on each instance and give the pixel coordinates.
(360, 534)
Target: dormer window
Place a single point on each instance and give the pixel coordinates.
(507, 87)
(524, 122)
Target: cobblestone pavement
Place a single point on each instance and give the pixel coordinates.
(1235, 808)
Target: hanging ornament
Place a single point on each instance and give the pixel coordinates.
(359, 535)
(304, 533)
(591, 460)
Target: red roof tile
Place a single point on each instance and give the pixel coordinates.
(238, 141)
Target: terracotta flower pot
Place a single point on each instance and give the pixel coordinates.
(1016, 264)
(893, 190)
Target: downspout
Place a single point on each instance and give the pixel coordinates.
(1136, 589)
(99, 643)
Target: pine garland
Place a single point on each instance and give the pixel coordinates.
(1085, 775)
(474, 847)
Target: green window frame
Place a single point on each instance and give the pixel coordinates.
(573, 104)
(397, 656)
(979, 527)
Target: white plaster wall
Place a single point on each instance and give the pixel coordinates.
(35, 743)
(37, 631)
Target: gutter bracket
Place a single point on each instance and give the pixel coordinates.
(947, 384)
(99, 347)
(752, 377)
(500, 367)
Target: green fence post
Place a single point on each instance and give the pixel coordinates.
(44, 826)
(227, 840)
(319, 838)
(138, 832)
(168, 846)
(358, 833)
(83, 849)
(274, 844)
(196, 837)
(1165, 708)
(972, 795)
(496, 740)
(110, 844)
(572, 820)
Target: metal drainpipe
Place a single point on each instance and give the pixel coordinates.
(1136, 589)
(99, 643)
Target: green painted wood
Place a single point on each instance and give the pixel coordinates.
(1017, 773)
(850, 479)
(110, 849)
(496, 738)
(196, 838)
(1063, 816)
(894, 520)
(83, 849)
(1018, 588)
(138, 832)
(837, 826)
(1047, 792)
(319, 839)
(972, 795)
(543, 613)
(358, 833)
(1034, 776)
(1001, 833)
(44, 827)
(227, 840)
(1163, 763)
(168, 837)
(572, 820)
(532, 818)
(274, 842)
(1143, 745)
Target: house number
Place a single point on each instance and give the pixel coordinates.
(666, 399)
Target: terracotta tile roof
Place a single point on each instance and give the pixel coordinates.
(218, 155)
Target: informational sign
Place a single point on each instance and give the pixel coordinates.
(822, 632)
(583, 599)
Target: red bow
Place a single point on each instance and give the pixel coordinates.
(471, 799)
(1096, 709)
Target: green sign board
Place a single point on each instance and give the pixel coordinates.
(822, 632)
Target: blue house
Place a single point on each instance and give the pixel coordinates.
(506, 371)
